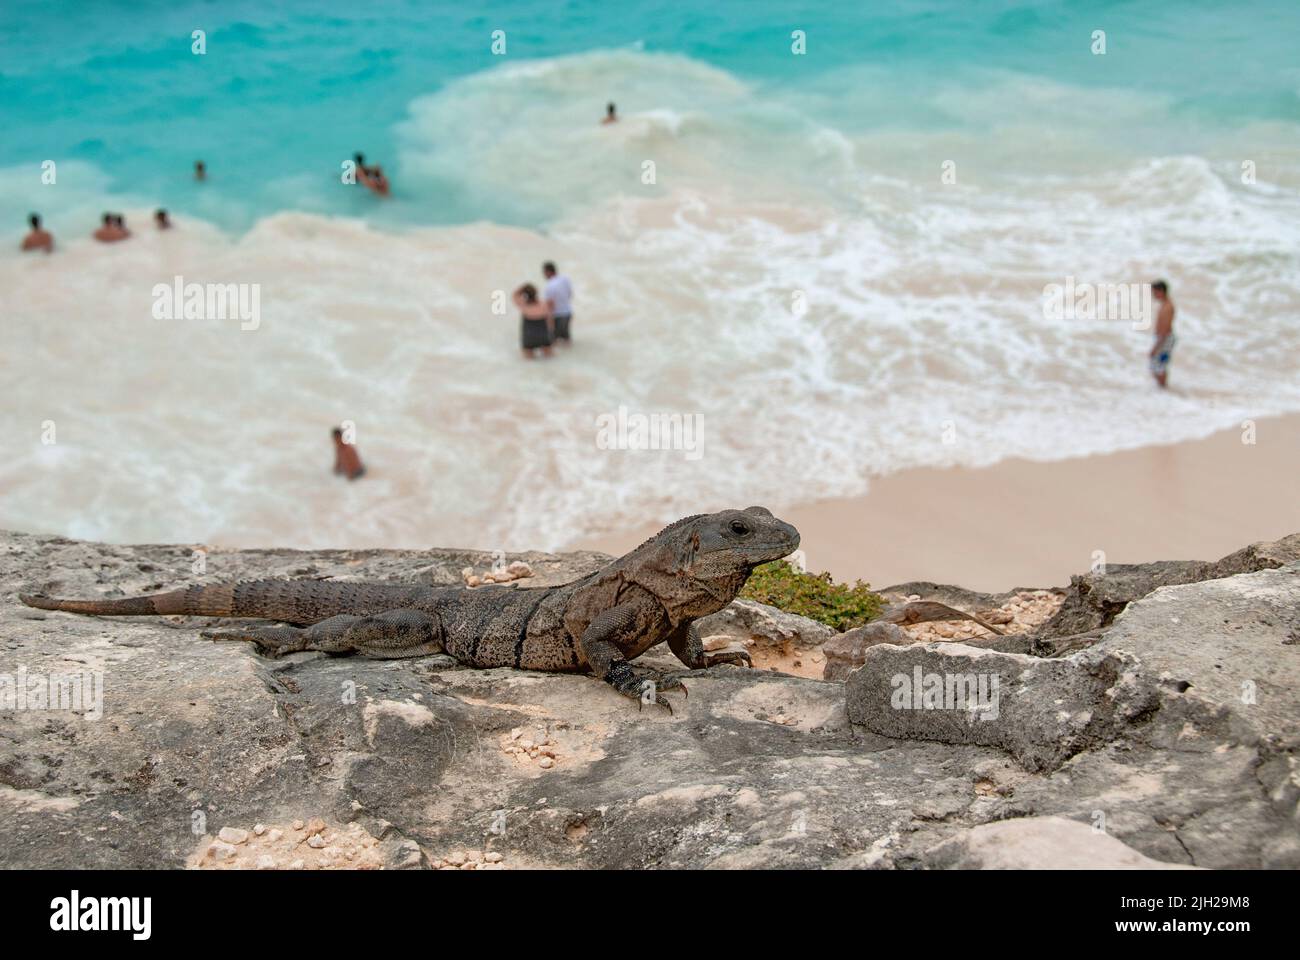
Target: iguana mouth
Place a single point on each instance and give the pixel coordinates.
(786, 544)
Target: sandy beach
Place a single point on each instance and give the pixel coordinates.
(1022, 523)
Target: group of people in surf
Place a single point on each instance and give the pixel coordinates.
(371, 176)
(112, 228)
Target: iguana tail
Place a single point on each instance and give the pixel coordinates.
(289, 601)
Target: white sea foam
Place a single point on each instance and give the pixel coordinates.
(828, 316)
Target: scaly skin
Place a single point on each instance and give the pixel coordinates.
(598, 624)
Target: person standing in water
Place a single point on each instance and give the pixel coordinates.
(1163, 349)
(537, 326)
(611, 114)
(38, 239)
(160, 218)
(559, 300)
(346, 459)
(200, 171)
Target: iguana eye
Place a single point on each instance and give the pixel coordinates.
(738, 526)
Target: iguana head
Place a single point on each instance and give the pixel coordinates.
(711, 555)
(737, 541)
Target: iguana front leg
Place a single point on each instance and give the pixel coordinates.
(600, 646)
(390, 635)
(686, 645)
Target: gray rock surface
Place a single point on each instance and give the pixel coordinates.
(415, 763)
(1037, 843)
(1178, 729)
(751, 623)
(1094, 600)
(847, 651)
(1040, 711)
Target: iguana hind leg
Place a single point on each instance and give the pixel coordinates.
(608, 663)
(686, 645)
(389, 635)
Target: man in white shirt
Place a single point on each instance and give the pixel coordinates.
(559, 297)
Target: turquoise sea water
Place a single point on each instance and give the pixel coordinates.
(286, 91)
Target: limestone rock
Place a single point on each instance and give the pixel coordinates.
(1094, 600)
(750, 622)
(845, 652)
(1039, 843)
(1040, 711)
(1188, 757)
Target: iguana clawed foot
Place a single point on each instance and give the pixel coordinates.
(271, 641)
(647, 686)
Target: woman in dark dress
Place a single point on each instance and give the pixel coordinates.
(538, 327)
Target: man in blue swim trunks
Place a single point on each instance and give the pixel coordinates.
(1163, 348)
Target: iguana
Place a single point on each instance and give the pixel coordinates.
(597, 624)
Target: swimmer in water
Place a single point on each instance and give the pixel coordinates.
(346, 460)
(611, 114)
(109, 231)
(376, 180)
(38, 239)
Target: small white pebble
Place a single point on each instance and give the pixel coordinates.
(233, 835)
(221, 851)
(546, 763)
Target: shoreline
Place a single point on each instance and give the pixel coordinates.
(1022, 523)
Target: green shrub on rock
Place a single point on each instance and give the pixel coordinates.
(815, 596)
